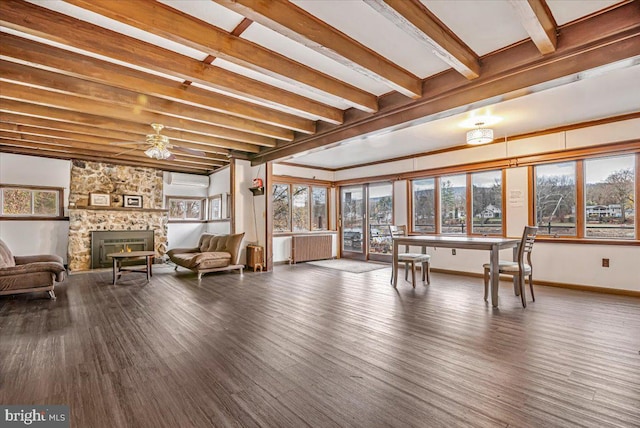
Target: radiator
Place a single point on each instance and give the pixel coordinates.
(305, 248)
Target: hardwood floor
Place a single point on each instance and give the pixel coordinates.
(310, 346)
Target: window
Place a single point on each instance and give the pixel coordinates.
(454, 195)
(424, 202)
(486, 202)
(555, 199)
(27, 201)
(453, 204)
(319, 220)
(609, 197)
(185, 209)
(380, 217)
(215, 207)
(299, 208)
(281, 219)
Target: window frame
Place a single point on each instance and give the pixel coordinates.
(580, 236)
(468, 207)
(210, 200)
(310, 187)
(204, 209)
(59, 191)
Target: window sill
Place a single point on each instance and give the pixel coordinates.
(315, 232)
(33, 218)
(587, 241)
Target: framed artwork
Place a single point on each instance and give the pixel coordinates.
(99, 199)
(216, 207)
(228, 206)
(133, 201)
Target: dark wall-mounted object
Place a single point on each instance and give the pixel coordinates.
(257, 191)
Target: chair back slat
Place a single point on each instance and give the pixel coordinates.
(398, 231)
(526, 244)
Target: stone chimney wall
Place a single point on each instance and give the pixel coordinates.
(117, 181)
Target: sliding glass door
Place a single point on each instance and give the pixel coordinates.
(352, 218)
(365, 214)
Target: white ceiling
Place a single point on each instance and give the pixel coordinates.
(608, 91)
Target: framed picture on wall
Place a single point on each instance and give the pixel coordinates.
(133, 201)
(228, 206)
(99, 199)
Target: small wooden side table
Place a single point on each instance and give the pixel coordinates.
(255, 257)
(118, 258)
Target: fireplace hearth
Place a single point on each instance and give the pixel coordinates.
(117, 241)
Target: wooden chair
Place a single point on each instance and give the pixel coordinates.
(411, 258)
(518, 268)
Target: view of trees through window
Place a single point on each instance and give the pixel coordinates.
(610, 197)
(281, 219)
(30, 202)
(556, 198)
(424, 202)
(486, 189)
(299, 208)
(453, 204)
(352, 218)
(380, 216)
(185, 209)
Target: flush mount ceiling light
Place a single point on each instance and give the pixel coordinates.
(480, 135)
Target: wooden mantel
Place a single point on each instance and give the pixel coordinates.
(88, 207)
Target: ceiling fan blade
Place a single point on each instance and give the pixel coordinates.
(124, 152)
(194, 152)
(127, 143)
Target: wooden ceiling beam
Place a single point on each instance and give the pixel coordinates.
(413, 18)
(537, 20)
(73, 147)
(164, 21)
(239, 140)
(602, 39)
(112, 151)
(7, 146)
(56, 114)
(41, 22)
(91, 139)
(77, 65)
(297, 24)
(91, 131)
(24, 74)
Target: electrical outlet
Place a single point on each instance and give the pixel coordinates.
(453, 251)
(605, 262)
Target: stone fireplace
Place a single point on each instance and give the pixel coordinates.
(116, 181)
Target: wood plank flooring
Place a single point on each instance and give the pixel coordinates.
(311, 346)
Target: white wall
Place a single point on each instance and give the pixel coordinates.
(34, 236)
(183, 235)
(220, 184)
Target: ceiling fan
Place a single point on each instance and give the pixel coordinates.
(158, 145)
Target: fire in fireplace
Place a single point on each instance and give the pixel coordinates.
(117, 241)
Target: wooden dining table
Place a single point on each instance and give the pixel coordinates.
(493, 245)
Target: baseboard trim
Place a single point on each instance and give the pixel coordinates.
(579, 287)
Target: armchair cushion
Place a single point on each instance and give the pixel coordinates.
(23, 274)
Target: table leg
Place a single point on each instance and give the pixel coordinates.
(115, 270)
(394, 266)
(148, 267)
(516, 284)
(495, 275)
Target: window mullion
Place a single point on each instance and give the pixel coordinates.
(580, 202)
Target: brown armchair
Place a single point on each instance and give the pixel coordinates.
(26, 274)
